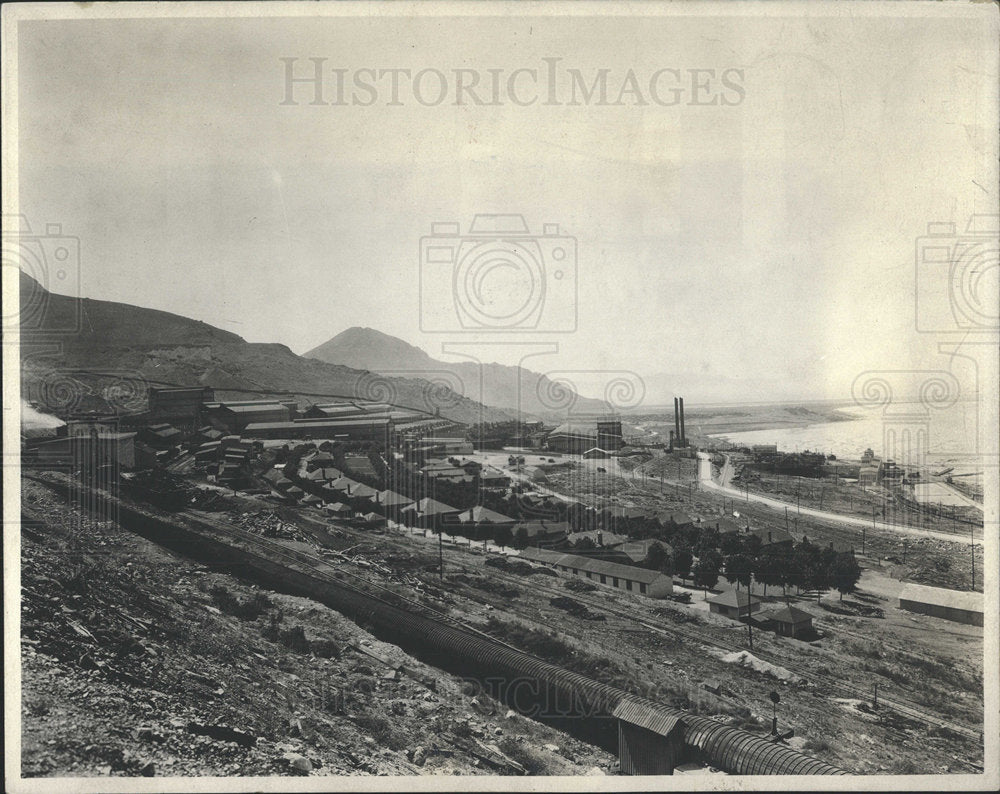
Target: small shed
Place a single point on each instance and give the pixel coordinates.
(650, 740)
(788, 621)
(735, 604)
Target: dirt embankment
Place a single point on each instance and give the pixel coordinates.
(138, 662)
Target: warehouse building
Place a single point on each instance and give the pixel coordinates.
(622, 577)
(235, 418)
(578, 437)
(96, 449)
(957, 605)
(378, 431)
(180, 406)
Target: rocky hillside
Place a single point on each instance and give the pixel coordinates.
(510, 388)
(140, 662)
(63, 337)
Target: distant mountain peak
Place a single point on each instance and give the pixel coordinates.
(506, 387)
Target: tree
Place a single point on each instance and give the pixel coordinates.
(845, 573)
(656, 557)
(708, 538)
(739, 569)
(584, 544)
(799, 561)
(751, 544)
(706, 570)
(772, 566)
(730, 543)
(521, 538)
(682, 559)
(503, 536)
(825, 567)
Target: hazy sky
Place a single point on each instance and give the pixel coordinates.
(770, 240)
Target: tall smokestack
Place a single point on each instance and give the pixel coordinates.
(677, 422)
(684, 440)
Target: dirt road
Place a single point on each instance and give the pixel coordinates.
(708, 484)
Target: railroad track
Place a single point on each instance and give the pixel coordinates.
(900, 705)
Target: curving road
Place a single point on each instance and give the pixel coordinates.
(706, 482)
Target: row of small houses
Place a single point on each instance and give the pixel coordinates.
(343, 497)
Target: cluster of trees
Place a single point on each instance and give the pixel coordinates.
(742, 559)
(803, 565)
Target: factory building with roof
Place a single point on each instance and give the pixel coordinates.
(359, 429)
(579, 436)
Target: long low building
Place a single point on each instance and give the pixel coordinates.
(378, 430)
(958, 605)
(611, 574)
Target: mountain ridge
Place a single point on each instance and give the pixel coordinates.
(511, 388)
(119, 342)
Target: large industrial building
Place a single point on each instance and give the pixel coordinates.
(579, 436)
(377, 430)
(180, 406)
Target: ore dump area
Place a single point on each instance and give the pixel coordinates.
(136, 661)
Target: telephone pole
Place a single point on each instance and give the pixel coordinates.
(972, 548)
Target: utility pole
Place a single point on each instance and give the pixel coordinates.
(875, 697)
(786, 518)
(972, 548)
(440, 554)
(864, 531)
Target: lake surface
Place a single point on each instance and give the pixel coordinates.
(951, 434)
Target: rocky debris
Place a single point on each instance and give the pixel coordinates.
(519, 567)
(575, 608)
(267, 525)
(147, 734)
(223, 733)
(120, 656)
(298, 763)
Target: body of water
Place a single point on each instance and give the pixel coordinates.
(951, 434)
